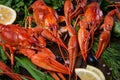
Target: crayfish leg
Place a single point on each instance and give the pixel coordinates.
(11, 56)
(28, 22)
(47, 34)
(57, 76)
(7, 71)
(54, 75)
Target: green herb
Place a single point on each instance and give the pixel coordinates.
(55, 3)
(116, 29)
(3, 56)
(6, 2)
(104, 5)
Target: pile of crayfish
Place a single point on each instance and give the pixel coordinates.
(31, 41)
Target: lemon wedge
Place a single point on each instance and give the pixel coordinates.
(85, 74)
(96, 70)
(7, 15)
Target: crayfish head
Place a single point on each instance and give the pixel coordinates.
(93, 13)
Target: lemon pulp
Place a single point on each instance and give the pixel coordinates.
(97, 71)
(89, 73)
(85, 74)
(7, 15)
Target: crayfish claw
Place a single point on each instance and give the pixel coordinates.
(46, 60)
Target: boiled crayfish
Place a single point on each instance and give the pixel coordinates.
(46, 17)
(31, 42)
(70, 13)
(18, 40)
(90, 22)
(107, 28)
(88, 25)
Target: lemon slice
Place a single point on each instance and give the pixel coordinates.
(85, 74)
(97, 71)
(7, 15)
